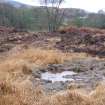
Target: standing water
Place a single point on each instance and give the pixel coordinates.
(58, 77)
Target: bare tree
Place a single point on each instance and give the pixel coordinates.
(54, 14)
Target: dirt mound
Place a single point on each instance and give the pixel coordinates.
(91, 41)
(10, 37)
(73, 39)
(6, 29)
(82, 30)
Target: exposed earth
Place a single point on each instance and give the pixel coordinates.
(91, 41)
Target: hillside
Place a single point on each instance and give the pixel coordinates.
(34, 18)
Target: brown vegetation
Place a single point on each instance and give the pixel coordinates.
(23, 61)
(16, 67)
(88, 30)
(86, 40)
(17, 96)
(18, 91)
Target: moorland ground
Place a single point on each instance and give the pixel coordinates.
(24, 56)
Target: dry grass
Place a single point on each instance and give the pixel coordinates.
(16, 96)
(16, 88)
(26, 59)
(76, 97)
(12, 95)
(40, 56)
(16, 67)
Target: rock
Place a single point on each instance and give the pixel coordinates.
(56, 86)
(36, 74)
(74, 86)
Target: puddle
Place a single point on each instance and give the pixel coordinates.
(58, 77)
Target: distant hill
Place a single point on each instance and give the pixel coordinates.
(20, 15)
(14, 3)
(69, 12)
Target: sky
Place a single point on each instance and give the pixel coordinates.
(88, 5)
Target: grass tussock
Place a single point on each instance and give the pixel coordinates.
(41, 56)
(74, 97)
(11, 95)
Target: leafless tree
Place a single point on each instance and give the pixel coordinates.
(54, 13)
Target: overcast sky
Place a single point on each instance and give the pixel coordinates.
(89, 5)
